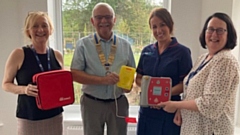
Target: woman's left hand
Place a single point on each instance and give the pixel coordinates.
(168, 106)
(178, 118)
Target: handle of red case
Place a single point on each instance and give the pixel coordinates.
(130, 120)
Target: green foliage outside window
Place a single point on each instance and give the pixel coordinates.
(132, 24)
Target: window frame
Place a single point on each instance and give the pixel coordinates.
(72, 112)
(55, 13)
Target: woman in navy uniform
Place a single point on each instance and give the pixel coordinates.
(164, 58)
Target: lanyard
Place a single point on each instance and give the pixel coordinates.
(106, 63)
(192, 74)
(38, 60)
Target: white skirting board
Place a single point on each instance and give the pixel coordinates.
(78, 130)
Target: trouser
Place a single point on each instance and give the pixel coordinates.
(96, 114)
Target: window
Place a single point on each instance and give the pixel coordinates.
(131, 24)
(57, 42)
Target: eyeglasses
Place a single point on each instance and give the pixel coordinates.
(100, 17)
(219, 31)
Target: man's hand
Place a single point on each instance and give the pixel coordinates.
(111, 78)
(126, 90)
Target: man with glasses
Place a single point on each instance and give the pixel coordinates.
(96, 63)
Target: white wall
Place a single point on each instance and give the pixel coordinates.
(9, 39)
(12, 14)
(187, 19)
(236, 51)
(188, 15)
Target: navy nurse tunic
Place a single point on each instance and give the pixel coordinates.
(175, 62)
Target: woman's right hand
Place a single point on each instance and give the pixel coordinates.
(178, 118)
(31, 90)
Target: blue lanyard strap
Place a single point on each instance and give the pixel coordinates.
(192, 74)
(38, 60)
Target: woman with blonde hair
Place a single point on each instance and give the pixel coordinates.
(21, 65)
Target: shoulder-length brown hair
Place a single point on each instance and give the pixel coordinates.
(164, 15)
(231, 32)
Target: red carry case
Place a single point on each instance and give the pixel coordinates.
(55, 89)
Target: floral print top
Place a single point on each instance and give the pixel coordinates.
(214, 90)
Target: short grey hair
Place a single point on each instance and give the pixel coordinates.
(105, 5)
